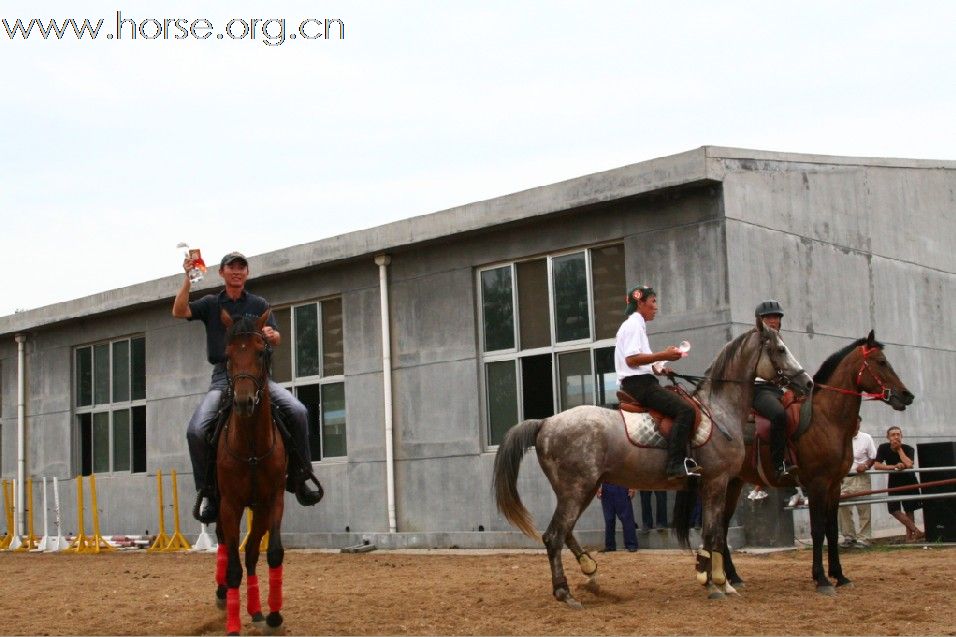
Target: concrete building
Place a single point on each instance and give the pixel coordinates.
(496, 311)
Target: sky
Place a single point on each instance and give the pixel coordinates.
(114, 150)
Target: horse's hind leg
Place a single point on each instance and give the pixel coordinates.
(274, 556)
(730, 505)
(253, 601)
(565, 516)
(585, 561)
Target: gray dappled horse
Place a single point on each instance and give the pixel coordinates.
(582, 447)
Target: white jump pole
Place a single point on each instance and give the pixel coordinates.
(57, 542)
(16, 542)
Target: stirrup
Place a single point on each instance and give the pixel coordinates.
(692, 468)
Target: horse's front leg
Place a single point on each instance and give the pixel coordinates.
(260, 521)
(229, 519)
(222, 559)
(834, 568)
(818, 531)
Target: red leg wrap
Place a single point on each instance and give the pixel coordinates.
(233, 625)
(221, 560)
(253, 604)
(275, 589)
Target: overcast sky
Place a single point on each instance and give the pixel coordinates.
(114, 151)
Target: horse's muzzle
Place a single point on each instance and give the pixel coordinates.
(900, 399)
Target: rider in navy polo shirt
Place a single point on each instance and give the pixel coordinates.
(236, 301)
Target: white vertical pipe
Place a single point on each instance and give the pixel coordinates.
(382, 261)
(21, 426)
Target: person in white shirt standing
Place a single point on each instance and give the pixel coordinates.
(632, 361)
(864, 454)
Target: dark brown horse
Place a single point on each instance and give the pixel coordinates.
(581, 447)
(251, 470)
(825, 450)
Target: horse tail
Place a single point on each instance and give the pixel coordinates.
(507, 464)
(684, 504)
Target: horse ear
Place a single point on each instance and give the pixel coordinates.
(225, 318)
(261, 322)
(871, 339)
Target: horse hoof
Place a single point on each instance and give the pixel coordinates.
(844, 583)
(730, 590)
(826, 590)
(258, 620)
(273, 622)
(573, 603)
(592, 585)
(716, 595)
(220, 604)
(588, 565)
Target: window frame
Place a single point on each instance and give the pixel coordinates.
(110, 407)
(320, 379)
(555, 349)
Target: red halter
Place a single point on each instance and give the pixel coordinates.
(864, 367)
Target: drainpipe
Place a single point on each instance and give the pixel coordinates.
(382, 261)
(21, 427)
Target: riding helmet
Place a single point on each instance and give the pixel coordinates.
(769, 307)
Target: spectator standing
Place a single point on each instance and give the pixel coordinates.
(895, 456)
(616, 503)
(864, 454)
(647, 514)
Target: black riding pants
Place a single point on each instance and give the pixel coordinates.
(767, 404)
(647, 390)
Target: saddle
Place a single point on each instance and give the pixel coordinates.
(798, 409)
(663, 422)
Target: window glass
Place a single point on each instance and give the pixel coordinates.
(537, 390)
(497, 309)
(310, 396)
(101, 374)
(570, 298)
(333, 420)
(120, 371)
(332, 350)
(533, 308)
(605, 377)
(121, 440)
(101, 442)
(138, 368)
(501, 385)
(84, 376)
(574, 379)
(608, 286)
(139, 439)
(282, 355)
(307, 340)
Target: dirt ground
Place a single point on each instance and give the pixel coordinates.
(897, 591)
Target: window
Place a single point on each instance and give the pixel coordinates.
(110, 406)
(547, 334)
(311, 363)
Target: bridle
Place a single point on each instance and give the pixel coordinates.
(885, 392)
(257, 381)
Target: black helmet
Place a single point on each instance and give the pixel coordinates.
(768, 307)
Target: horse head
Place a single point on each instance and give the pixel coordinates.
(247, 361)
(876, 375)
(776, 361)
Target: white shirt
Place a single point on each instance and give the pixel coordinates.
(631, 339)
(864, 450)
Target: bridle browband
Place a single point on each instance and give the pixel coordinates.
(885, 393)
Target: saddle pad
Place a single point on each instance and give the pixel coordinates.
(642, 431)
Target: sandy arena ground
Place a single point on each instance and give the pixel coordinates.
(898, 591)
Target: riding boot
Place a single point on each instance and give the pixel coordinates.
(206, 509)
(678, 464)
(298, 478)
(778, 443)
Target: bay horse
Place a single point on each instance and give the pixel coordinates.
(582, 447)
(251, 472)
(825, 450)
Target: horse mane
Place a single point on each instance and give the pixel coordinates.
(829, 365)
(717, 370)
(242, 324)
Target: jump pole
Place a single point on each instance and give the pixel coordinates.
(178, 542)
(161, 539)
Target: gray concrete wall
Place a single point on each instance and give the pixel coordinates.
(846, 249)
